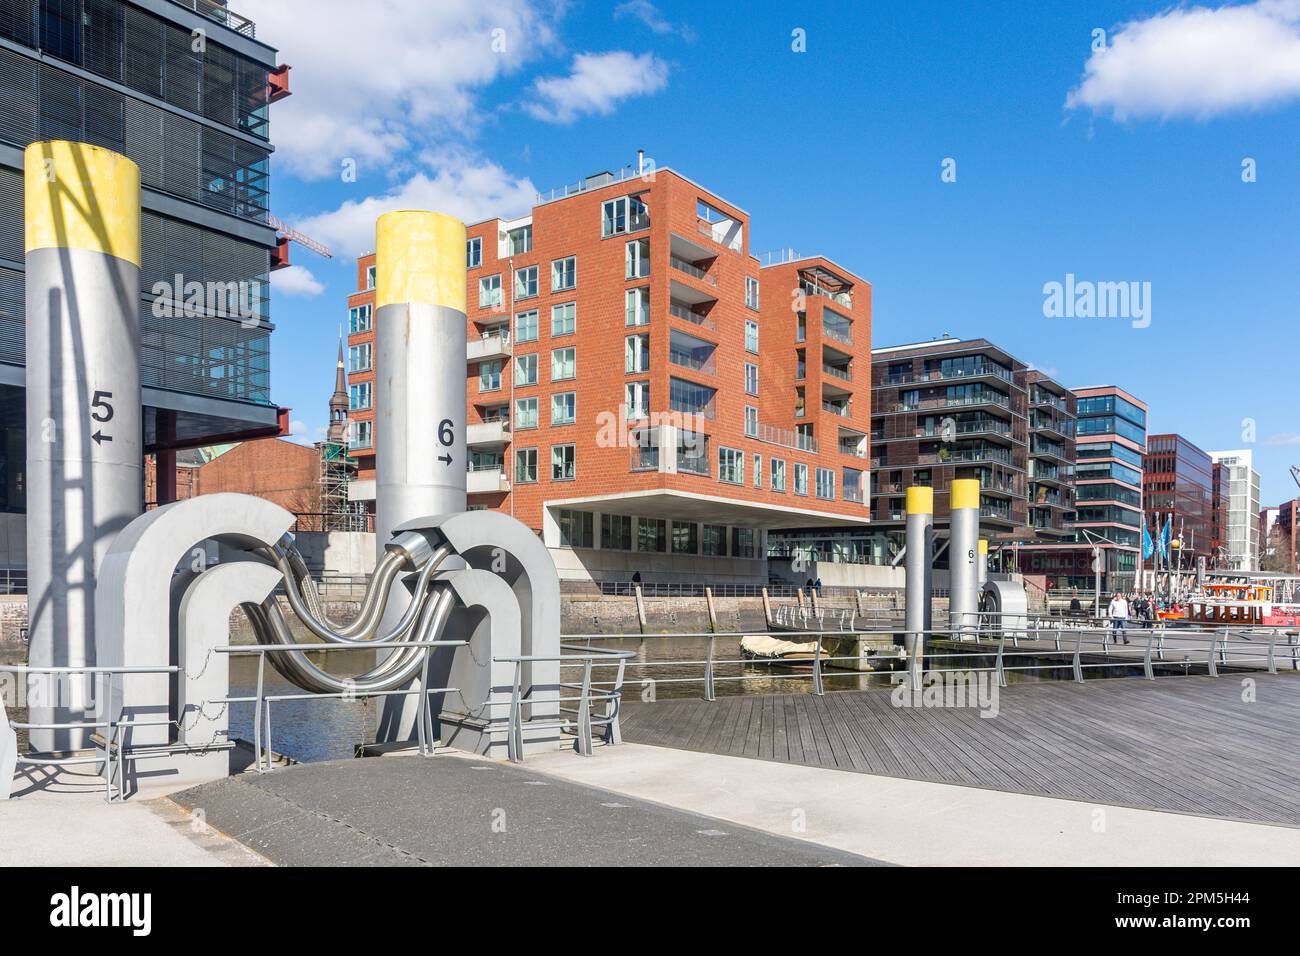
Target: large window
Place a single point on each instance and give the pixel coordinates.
(359, 396)
(359, 319)
(489, 375)
(690, 398)
(359, 358)
(651, 535)
(489, 292)
(751, 379)
(526, 412)
(525, 465)
(615, 532)
(519, 240)
(731, 466)
(1112, 405)
(778, 474)
(751, 292)
(624, 214)
(564, 408)
(1111, 425)
(637, 396)
(575, 528)
(564, 273)
(637, 259)
(826, 484)
(800, 479)
(563, 462)
(526, 369)
(751, 421)
(638, 306)
(361, 434)
(636, 353)
(526, 326)
(715, 540)
(473, 253)
(685, 537)
(564, 364)
(751, 337)
(526, 282)
(742, 542)
(564, 319)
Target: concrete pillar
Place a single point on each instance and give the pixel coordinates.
(963, 554)
(983, 565)
(420, 453)
(918, 565)
(85, 464)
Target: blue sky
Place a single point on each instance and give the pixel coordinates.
(1120, 164)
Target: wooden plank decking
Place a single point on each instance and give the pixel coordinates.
(1188, 744)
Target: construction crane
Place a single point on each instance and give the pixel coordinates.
(1295, 474)
(286, 234)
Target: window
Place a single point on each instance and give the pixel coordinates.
(826, 484)
(525, 465)
(575, 528)
(800, 479)
(359, 357)
(688, 397)
(742, 542)
(473, 253)
(758, 471)
(751, 337)
(731, 466)
(519, 240)
(778, 474)
(489, 292)
(624, 214)
(526, 369)
(370, 277)
(361, 434)
(751, 292)
(564, 273)
(637, 259)
(616, 532)
(693, 453)
(636, 353)
(751, 421)
(563, 462)
(651, 535)
(751, 379)
(564, 319)
(685, 537)
(526, 412)
(715, 540)
(526, 282)
(526, 326)
(564, 408)
(360, 319)
(489, 375)
(564, 364)
(637, 395)
(638, 306)
(359, 395)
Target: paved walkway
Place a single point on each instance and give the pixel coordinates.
(915, 823)
(464, 811)
(1199, 745)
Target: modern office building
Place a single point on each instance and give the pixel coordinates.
(181, 87)
(1110, 441)
(642, 392)
(1178, 485)
(1239, 496)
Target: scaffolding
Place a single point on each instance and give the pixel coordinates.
(337, 470)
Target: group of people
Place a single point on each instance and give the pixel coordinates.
(1140, 606)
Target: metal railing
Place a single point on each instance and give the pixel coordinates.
(110, 751)
(669, 589)
(218, 11)
(681, 265)
(13, 580)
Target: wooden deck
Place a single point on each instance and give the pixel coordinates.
(1187, 744)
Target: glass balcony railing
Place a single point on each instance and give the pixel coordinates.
(681, 265)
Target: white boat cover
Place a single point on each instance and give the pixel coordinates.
(763, 646)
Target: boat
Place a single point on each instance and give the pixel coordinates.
(1241, 604)
(759, 647)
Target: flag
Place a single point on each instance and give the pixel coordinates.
(1165, 536)
(1148, 546)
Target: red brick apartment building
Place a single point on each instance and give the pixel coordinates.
(642, 393)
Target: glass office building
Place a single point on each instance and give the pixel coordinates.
(181, 87)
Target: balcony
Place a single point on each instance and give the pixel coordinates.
(488, 434)
(681, 311)
(691, 269)
(837, 408)
(692, 353)
(838, 371)
(949, 456)
(771, 435)
(218, 11)
(837, 327)
(492, 345)
(486, 480)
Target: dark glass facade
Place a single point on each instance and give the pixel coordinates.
(1178, 481)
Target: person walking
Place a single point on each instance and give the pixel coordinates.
(1117, 611)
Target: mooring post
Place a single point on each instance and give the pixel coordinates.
(713, 612)
(918, 561)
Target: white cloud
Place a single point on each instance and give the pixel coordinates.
(371, 80)
(649, 14)
(1283, 438)
(597, 82)
(457, 183)
(296, 280)
(1197, 62)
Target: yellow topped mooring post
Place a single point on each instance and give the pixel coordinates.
(918, 564)
(963, 555)
(85, 454)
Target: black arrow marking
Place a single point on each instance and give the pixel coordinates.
(100, 438)
(445, 459)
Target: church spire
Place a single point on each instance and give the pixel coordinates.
(339, 400)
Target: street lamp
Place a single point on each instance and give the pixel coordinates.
(1096, 568)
